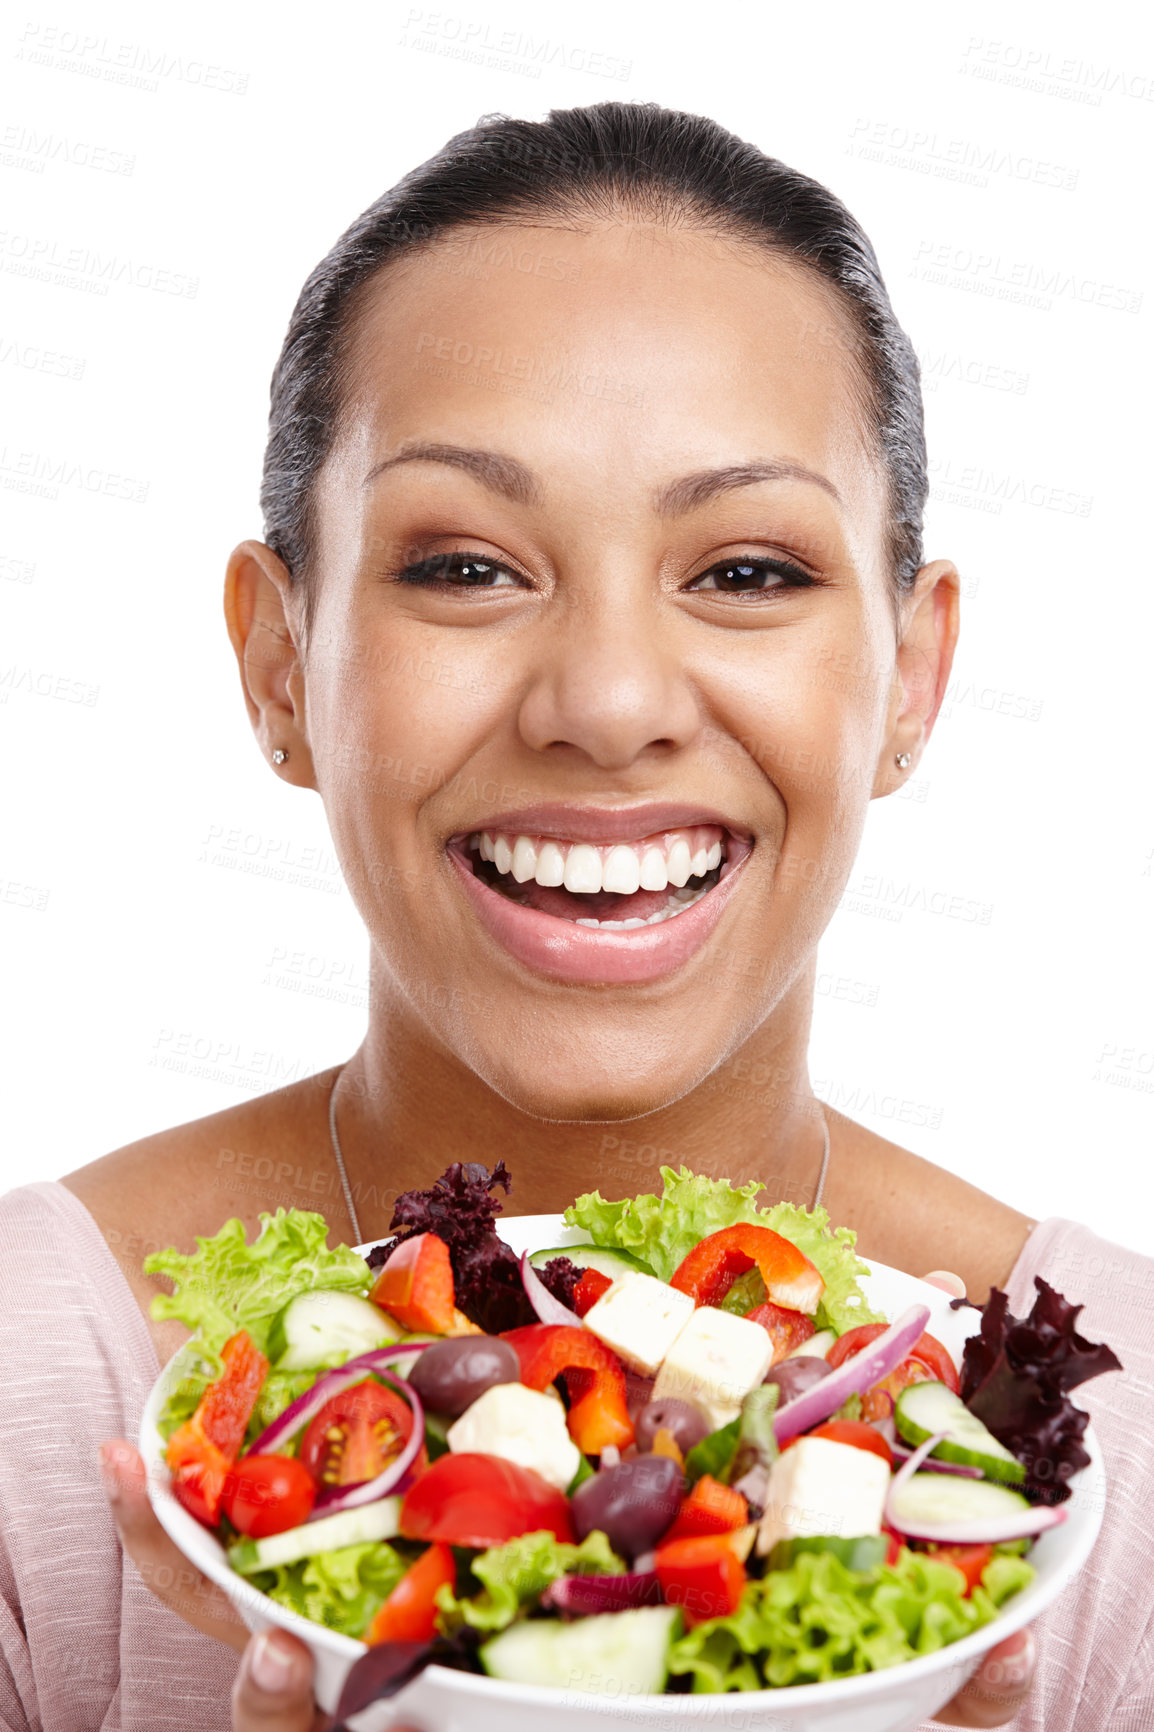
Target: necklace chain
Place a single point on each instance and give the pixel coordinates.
(348, 1190)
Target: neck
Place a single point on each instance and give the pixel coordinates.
(407, 1108)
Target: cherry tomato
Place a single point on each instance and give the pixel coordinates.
(356, 1434)
(410, 1612)
(927, 1351)
(266, 1494)
(852, 1431)
(481, 1500)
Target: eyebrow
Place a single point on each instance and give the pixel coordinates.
(507, 476)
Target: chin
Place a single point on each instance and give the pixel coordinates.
(589, 1095)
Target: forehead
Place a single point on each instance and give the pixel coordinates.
(616, 355)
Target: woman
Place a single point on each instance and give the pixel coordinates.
(592, 592)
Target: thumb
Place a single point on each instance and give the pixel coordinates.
(274, 1686)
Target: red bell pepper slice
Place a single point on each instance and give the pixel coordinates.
(410, 1612)
(710, 1508)
(482, 1501)
(589, 1289)
(704, 1576)
(201, 1451)
(786, 1329)
(598, 1415)
(713, 1266)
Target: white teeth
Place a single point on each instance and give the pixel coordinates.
(550, 870)
(583, 870)
(713, 858)
(524, 860)
(622, 871)
(698, 868)
(679, 864)
(502, 854)
(486, 845)
(678, 903)
(653, 873)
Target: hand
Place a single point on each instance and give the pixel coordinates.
(1003, 1681)
(273, 1690)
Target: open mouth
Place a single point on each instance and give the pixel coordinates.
(617, 886)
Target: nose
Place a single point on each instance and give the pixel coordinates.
(610, 685)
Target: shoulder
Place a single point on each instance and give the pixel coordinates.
(185, 1182)
(916, 1216)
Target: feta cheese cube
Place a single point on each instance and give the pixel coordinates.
(821, 1487)
(714, 1362)
(639, 1317)
(521, 1425)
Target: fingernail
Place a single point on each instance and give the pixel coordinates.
(1014, 1666)
(272, 1666)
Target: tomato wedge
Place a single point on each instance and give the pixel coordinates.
(356, 1435)
(410, 1612)
(927, 1351)
(852, 1431)
(971, 1560)
(481, 1500)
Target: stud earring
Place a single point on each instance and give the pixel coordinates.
(903, 760)
(279, 756)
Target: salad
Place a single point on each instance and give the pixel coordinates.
(685, 1455)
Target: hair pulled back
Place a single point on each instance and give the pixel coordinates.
(585, 164)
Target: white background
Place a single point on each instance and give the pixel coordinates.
(175, 933)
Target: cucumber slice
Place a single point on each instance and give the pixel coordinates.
(866, 1552)
(352, 1527)
(606, 1259)
(817, 1347)
(611, 1654)
(326, 1327)
(938, 1500)
(924, 1408)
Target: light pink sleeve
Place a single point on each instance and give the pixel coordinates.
(1096, 1643)
(84, 1646)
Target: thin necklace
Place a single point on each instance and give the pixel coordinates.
(348, 1190)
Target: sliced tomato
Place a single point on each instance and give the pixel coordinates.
(410, 1612)
(481, 1500)
(786, 1329)
(266, 1494)
(927, 1351)
(198, 1484)
(416, 1285)
(852, 1431)
(589, 1289)
(356, 1435)
(971, 1560)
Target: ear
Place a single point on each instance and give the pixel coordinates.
(262, 608)
(928, 625)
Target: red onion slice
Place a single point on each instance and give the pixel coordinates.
(965, 1533)
(340, 1497)
(586, 1596)
(932, 1465)
(548, 1309)
(860, 1373)
(307, 1406)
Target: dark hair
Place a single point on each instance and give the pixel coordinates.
(586, 163)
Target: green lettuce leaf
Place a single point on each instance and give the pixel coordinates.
(663, 1230)
(342, 1589)
(817, 1621)
(514, 1575)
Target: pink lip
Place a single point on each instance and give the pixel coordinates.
(566, 951)
(601, 823)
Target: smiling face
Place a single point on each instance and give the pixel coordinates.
(602, 632)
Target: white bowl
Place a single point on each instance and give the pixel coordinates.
(894, 1700)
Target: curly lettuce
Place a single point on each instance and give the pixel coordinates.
(662, 1230)
(342, 1589)
(818, 1621)
(516, 1575)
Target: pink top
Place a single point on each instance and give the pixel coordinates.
(85, 1646)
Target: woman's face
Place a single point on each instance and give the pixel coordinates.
(673, 640)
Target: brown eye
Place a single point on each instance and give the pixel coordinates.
(751, 576)
(459, 571)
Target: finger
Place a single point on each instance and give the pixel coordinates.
(274, 1687)
(163, 1567)
(947, 1281)
(998, 1688)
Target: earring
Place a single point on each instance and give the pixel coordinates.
(903, 760)
(278, 756)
